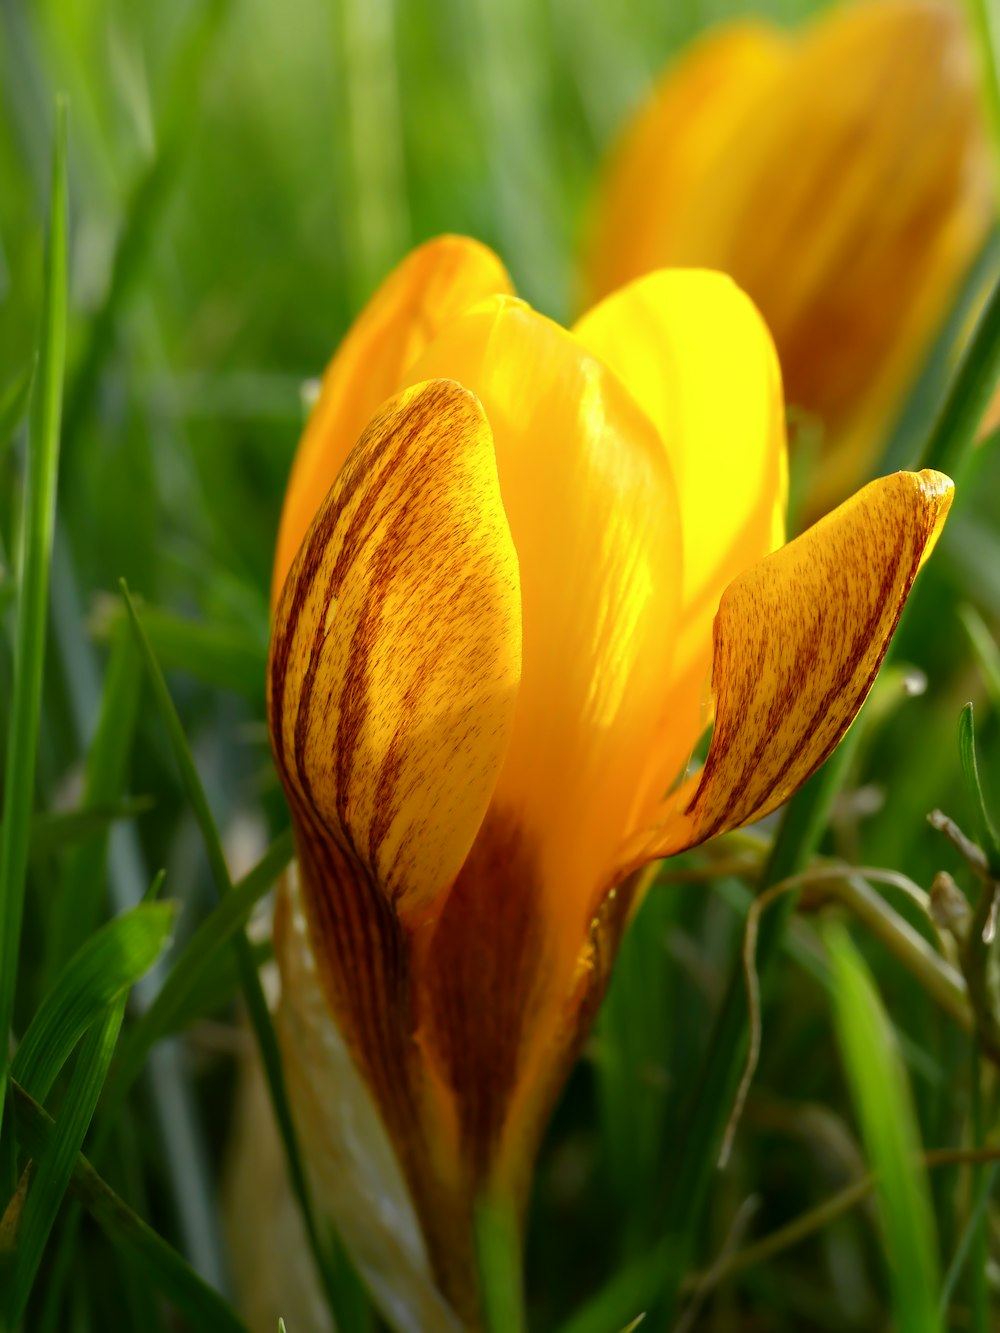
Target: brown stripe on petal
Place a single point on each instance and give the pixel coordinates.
(799, 640)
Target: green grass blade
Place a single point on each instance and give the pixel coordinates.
(954, 432)
(203, 1308)
(81, 894)
(985, 831)
(883, 1104)
(986, 649)
(984, 20)
(106, 966)
(65, 830)
(54, 1167)
(253, 994)
(14, 403)
(32, 603)
(196, 962)
(223, 656)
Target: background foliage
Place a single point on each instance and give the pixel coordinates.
(241, 174)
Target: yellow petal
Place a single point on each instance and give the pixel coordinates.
(669, 149)
(697, 357)
(848, 195)
(593, 513)
(396, 653)
(798, 641)
(436, 282)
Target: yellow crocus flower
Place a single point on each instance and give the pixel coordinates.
(840, 174)
(518, 568)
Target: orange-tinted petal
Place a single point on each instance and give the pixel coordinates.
(670, 148)
(695, 354)
(798, 641)
(436, 282)
(592, 508)
(396, 653)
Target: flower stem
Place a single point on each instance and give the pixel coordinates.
(498, 1257)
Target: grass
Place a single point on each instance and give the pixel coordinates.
(234, 180)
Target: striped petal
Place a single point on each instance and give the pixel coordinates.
(799, 639)
(396, 654)
(433, 285)
(695, 354)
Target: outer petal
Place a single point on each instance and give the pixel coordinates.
(436, 282)
(592, 510)
(671, 147)
(396, 654)
(697, 357)
(798, 641)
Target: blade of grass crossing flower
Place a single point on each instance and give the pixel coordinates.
(954, 432)
(81, 891)
(498, 1257)
(29, 640)
(107, 965)
(54, 1167)
(884, 1108)
(986, 649)
(202, 1307)
(985, 830)
(253, 994)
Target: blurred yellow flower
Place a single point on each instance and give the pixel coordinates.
(503, 551)
(841, 175)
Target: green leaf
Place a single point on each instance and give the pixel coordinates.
(56, 832)
(80, 899)
(984, 21)
(884, 1107)
(105, 967)
(223, 656)
(195, 964)
(204, 1308)
(54, 1165)
(986, 834)
(32, 604)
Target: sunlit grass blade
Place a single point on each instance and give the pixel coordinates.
(881, 1096)
(985, 828)
(253, 994)
(14, 403)
(80, 897)
(107, 964)
(986, 649)
(195, 963)
(32, 603)
(202, 1307)
(54, 1166)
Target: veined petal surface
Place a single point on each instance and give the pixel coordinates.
(396, 653)
(432, 285)
(799, 639)
(695, 354)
